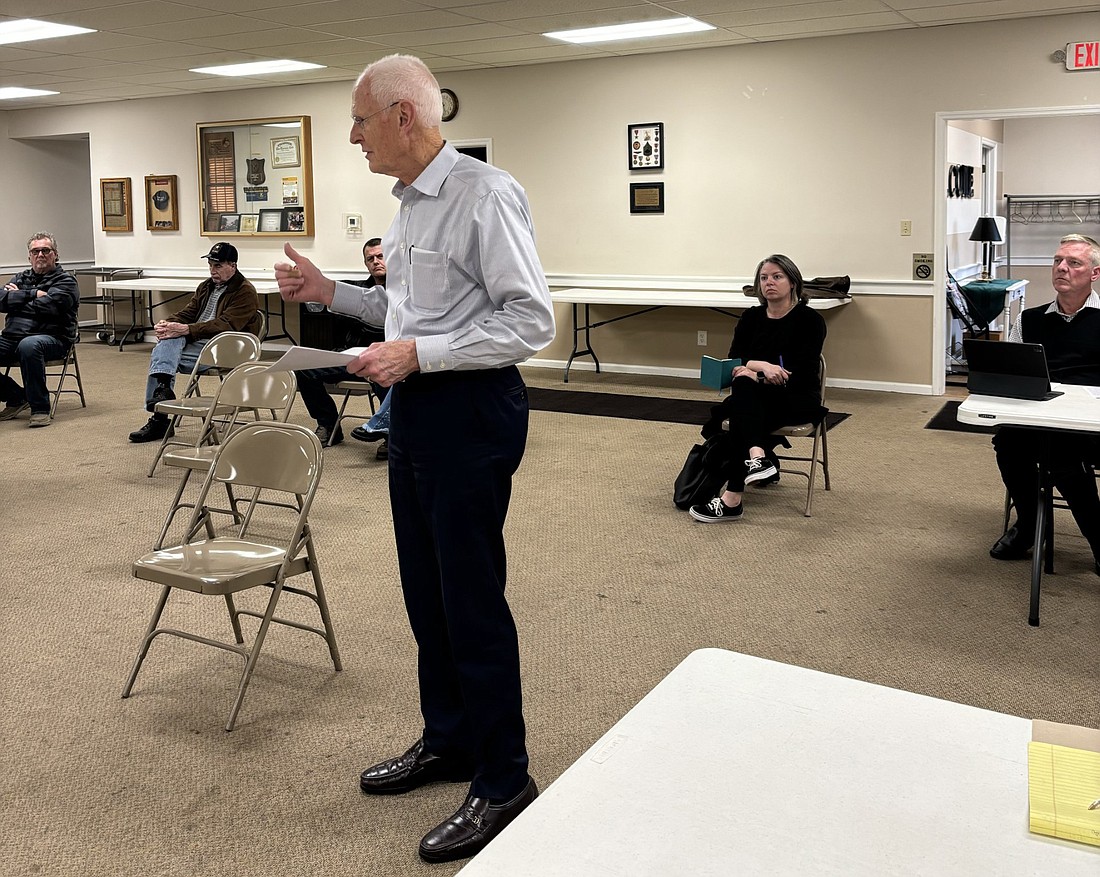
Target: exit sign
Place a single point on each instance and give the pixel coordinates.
(1083, 56)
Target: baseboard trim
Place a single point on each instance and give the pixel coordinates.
(693, 374)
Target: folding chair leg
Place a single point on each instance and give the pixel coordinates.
(326, 620)
(825, 453)
(147, 640)
(172, 424)
(253, 655)
(234, 619)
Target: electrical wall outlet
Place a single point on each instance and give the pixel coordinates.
(701, 338)
(906, 227)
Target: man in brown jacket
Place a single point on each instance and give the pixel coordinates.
(226, 302)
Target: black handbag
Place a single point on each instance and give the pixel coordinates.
(703, 473)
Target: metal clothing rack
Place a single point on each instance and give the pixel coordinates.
(1065, 214)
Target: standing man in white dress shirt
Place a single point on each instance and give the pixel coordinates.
(465, 300)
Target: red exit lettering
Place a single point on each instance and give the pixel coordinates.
(1083, 56)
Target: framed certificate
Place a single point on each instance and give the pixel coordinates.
(270, 220)
(285, 152)
(114, 199)
(647, 197)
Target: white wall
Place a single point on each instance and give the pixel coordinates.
(46, 188)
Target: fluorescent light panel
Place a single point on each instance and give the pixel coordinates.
(23, 30)
(634, 31)
(257, 68)
(12, 92)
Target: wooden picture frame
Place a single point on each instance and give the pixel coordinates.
(116, 203)
(270, 221)
(647, 197)
(244, 166)
(286, 151)
(161, 203)
(645, 146)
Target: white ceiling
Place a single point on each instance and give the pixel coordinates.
(144, 49)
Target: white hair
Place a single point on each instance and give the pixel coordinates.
(405, 77)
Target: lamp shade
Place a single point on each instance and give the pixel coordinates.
(985, 229)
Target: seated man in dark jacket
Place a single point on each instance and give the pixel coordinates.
(227, 302)
(41, 304)
(1069, 330)
(311, 382)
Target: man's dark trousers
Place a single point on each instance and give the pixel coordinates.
(1071, 459)
(31, 353)
(456, 439)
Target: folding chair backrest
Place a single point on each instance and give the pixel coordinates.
(252, 385)
(229, 349)
(271, 456)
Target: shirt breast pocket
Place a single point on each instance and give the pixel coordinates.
(428, 280)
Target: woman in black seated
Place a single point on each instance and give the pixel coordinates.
(777, 384)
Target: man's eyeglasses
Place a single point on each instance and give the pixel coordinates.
(41, 251)
(360, 120)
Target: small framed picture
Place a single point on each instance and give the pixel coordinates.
(286, 152)
(647, 197)
(229, 222)
(294, 219)
(115, 201)
(270, 221)
(645, 146)
(248, 223)
(161, 207)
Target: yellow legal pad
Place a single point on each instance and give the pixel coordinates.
(1062, 783)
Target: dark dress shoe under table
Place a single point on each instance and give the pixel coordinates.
(1013, 545)
(472, 826)
(412, 770)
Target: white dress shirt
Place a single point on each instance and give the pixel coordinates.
(462, 274)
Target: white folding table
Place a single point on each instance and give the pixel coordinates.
(735, 765)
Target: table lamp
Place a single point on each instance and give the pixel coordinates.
(986, 231)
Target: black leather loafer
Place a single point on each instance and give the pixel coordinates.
(472, 826)
(368, 435)
(412, 770)
(1013, 545)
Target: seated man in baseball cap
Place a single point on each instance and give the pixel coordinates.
(227, 302)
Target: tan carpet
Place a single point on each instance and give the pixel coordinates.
(890, 582)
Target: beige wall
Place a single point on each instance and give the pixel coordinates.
(817, 148)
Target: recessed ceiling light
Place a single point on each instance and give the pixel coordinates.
(633, 31)
(12, 92)
(23, 30)
(257, 68)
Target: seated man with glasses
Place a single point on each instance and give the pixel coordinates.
(41, 304)
(227, 302)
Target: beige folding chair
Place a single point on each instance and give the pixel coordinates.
(249, 388)
(221, 353)
(65, 368)
(819, 456)
(347, 389)
(264, 457)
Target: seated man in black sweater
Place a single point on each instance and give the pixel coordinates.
(311, 382)
(1069, 330)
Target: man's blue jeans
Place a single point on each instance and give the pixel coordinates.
(168, 357)
(31, 352)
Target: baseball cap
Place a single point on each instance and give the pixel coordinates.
(222, 252)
